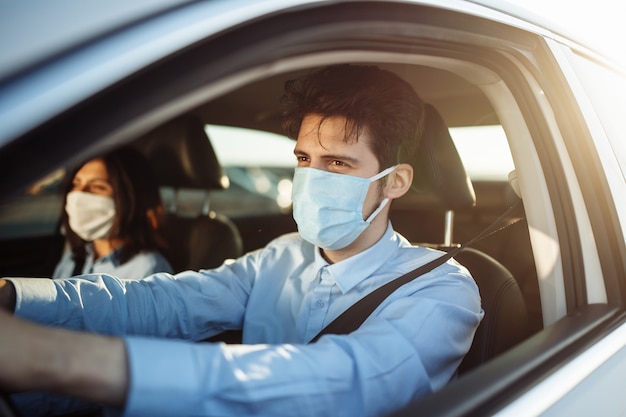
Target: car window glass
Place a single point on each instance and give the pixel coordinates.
(484, 151)
(607, 90)
(259, 166)
(36, 212)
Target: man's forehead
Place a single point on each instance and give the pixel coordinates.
(332, 131)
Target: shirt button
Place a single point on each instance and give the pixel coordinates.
(319, 304)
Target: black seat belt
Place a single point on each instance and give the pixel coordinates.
(355, 315)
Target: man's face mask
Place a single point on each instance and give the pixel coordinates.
(90, 216)
(328, 207)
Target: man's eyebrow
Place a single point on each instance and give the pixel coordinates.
(341, 157)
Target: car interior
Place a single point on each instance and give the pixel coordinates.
(445, 208)
(183, 158)
(443, 199)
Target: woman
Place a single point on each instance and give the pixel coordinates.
(112, 216)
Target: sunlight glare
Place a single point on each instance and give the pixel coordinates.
(599, 23)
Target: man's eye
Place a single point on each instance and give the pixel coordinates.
(338, 163)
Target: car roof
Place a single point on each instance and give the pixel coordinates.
(33, 31)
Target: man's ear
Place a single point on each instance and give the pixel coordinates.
(399, 181)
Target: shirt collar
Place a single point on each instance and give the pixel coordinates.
(353, 270)
(112, 257)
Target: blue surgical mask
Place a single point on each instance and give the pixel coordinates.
(328, 207)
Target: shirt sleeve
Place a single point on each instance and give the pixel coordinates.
(411, 346)
(190, 305)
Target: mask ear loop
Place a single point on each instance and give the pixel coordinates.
(385, 201)
(378, 210)
(383, 173)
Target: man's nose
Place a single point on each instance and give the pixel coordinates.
(318, 164)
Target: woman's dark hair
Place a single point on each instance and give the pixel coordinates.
(369, 98)
(135, 192)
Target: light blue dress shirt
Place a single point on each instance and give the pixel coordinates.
(141, 265)
(282, 296)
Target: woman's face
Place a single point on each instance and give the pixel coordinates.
(93, 177)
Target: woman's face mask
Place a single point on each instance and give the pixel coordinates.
(90, 216)
(328, 207)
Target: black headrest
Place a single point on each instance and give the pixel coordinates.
(182, 155)
(440, 180)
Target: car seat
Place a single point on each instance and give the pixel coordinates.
(441, 182)
(183, 159)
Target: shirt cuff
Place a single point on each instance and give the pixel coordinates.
(33, 297)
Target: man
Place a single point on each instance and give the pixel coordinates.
(353, 125)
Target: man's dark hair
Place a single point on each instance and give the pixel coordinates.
(369, 98)
(135, 191)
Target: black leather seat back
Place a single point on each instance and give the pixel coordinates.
(440, 180)
(442, 183)
(182, 155)
(202, 242)
(183, 158)
(506, 319)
